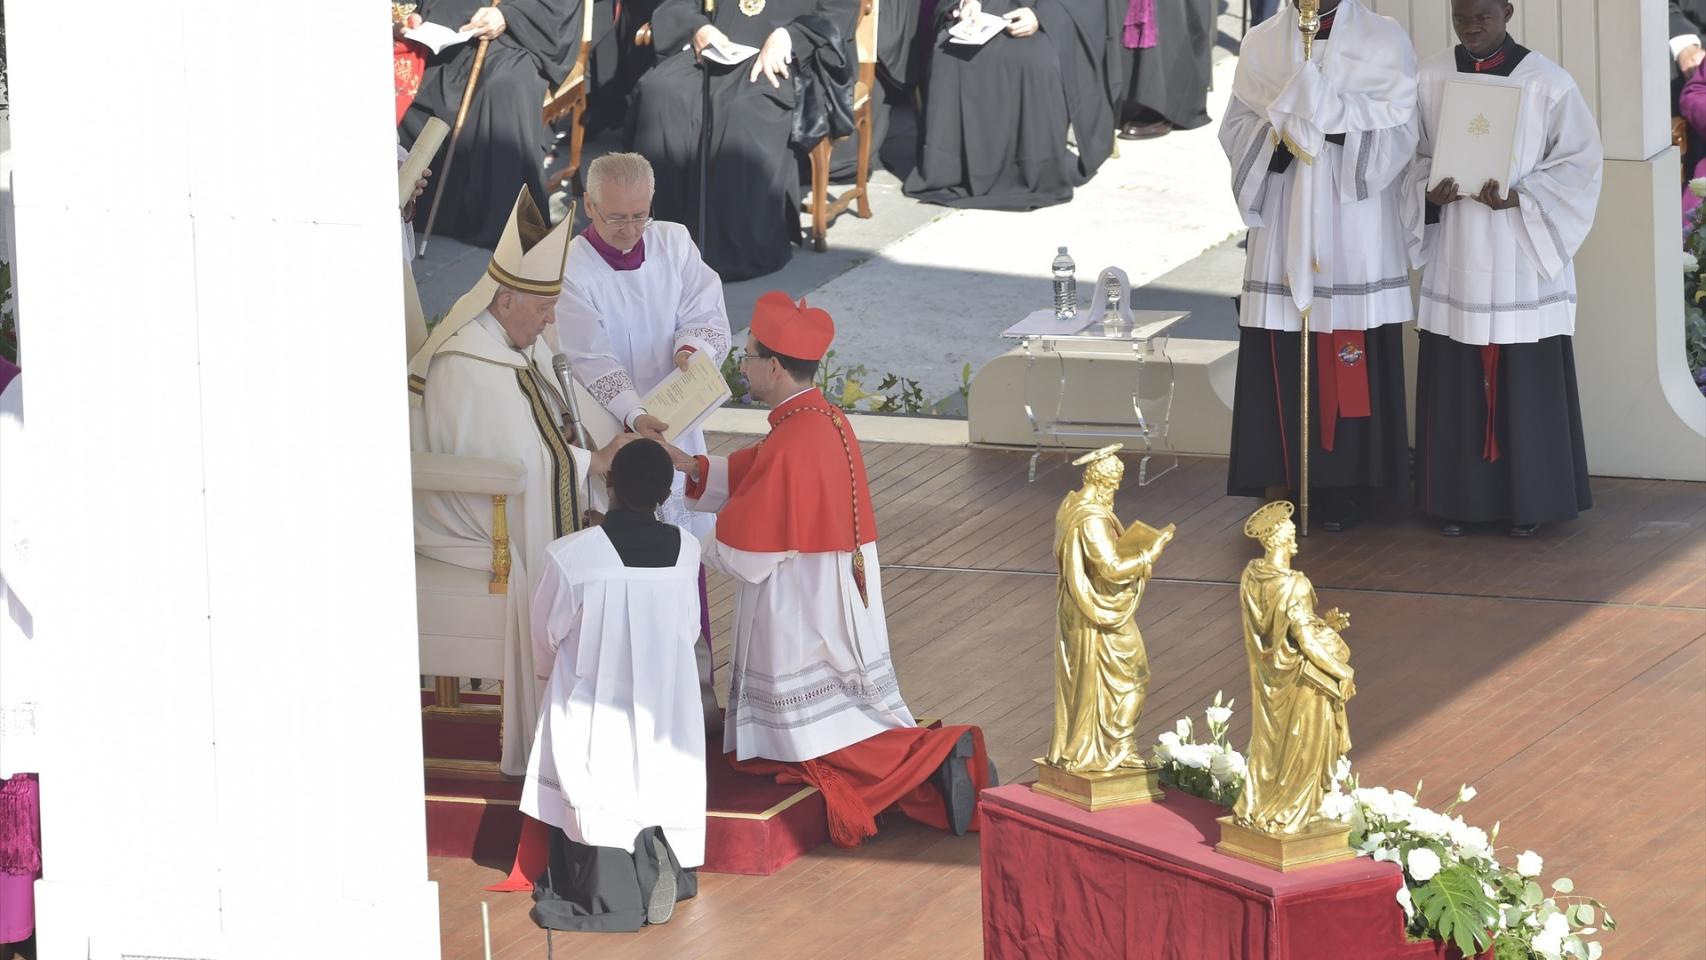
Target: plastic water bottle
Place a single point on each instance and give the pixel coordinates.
(1065, 286)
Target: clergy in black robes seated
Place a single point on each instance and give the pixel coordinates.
(533, 45)
(753, 180)
(996, 117)
(1167, 62)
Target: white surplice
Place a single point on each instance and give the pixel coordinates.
(21, 657)
(811, 671)
(473, 405)
(1327, 233)
(621, 741)
(1505, 276)
(621, 329)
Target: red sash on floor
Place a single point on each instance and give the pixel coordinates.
(1341, 379)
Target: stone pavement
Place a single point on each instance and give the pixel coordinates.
(920, 290)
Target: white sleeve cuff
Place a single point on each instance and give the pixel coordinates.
(633, 415)
(1683, 42)
(625, 406)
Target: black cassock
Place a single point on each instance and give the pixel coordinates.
(1171, 79)
(994, 131)
(504, 136)
(753, 181)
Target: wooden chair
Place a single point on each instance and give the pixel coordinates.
(569, 99)
(820, 205)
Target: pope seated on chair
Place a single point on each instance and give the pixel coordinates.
(813, 693)
(485, 393)
(618, 764)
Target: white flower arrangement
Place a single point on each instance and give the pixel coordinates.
(1454, 890)
(1212, 770)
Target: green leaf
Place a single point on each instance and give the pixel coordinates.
(1584, 914)
(1563, 885)
(1594, 950)
(1457, 909)
(1531, 894)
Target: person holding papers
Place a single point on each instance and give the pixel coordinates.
(769, 64)
(1318, 151)
(813, 694)
(638, 303)
(532, 46)
(1498, 422)
(1007, 81)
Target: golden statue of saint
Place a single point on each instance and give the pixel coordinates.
(1101, 671)
(1300, 678)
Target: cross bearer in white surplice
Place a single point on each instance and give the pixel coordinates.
(1498, 422)
(638, 303)
(1317, 150)
(487, 391)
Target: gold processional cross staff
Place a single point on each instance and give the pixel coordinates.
(1308, 24)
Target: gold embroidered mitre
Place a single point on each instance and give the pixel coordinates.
(530, 254)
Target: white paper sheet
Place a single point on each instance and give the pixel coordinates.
(437, 36)
(1476, 139)
(684, 399)
(976, 30)
(730, 53)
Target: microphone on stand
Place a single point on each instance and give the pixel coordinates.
(572, 410)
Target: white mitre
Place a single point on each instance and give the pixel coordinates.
(529, 258)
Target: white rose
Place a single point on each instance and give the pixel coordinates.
(1529, 864)
(1337, 806)
(1465, 793)
(1423, 864)
(1183, 728)
(1166, 749)
(1227, 766)
(1471, 842)
(1697, 186)
(1408, 905)
(1386, 853)
(1550, 940)
(1435, 826)
(1690, 263)
(1218, 715)
(1193, 755)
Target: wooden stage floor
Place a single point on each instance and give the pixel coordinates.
(1565, 677)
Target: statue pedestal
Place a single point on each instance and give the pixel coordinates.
(1324, 842)
(1099, 791)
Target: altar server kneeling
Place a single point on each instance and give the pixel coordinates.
(1498, 422)
(618, 762)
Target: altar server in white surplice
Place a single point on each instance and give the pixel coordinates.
(638, 303)
(1317, 149)
(1498, 421)
(618, 765)
(487, 391)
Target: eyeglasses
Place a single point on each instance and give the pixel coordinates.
(620, 222)
(746, 355)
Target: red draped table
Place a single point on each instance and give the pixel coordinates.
(1144, 882)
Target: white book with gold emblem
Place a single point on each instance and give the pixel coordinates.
(1476, 138)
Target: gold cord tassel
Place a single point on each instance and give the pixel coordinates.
(859, 575)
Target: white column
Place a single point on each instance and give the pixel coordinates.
(206, 218)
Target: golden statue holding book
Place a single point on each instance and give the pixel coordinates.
(1100, 666)
(1300, 678)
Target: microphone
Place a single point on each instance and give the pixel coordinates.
(572, 412)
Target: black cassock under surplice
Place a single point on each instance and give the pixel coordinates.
(753, 181)
(504, 136)
(1171, 79)
(994, 131)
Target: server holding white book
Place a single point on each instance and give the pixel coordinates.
(1502, 194)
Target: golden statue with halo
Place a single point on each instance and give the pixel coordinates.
(1101, 669)
(1300, 678)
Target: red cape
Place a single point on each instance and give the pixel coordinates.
(793, 490)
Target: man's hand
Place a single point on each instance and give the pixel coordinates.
(1021, 22)
(650, 427)
(487, 23)
(1689, 59)
(967, 10)
(683, 358)
(1489, 195)
(420, 188)
(600, 464)
(706, 36)
(591, 518)
(682, 460)
(408, 23)
(772, 59)
(1445, 192)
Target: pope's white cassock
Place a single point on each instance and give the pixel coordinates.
(481, 396)
(1317, 150)
(622, 317)
(621, 743)
(1498, 421)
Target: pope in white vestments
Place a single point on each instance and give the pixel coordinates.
(1498, 419)
(618, 765)
(813, 692)
(487, 391)
(1318, 149)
